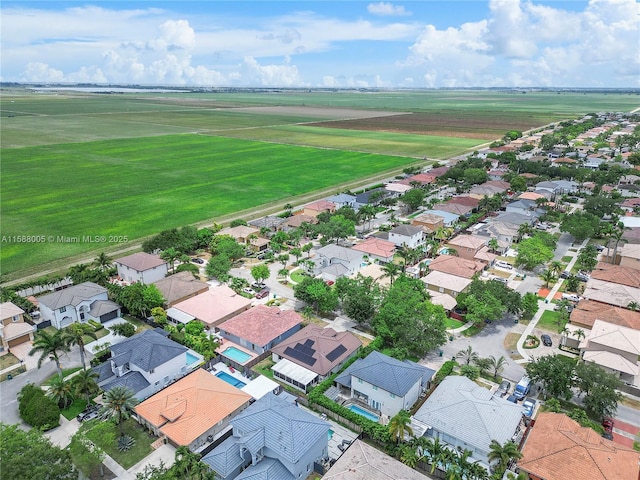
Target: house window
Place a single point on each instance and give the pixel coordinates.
(16, 318)
(81, 315)
(62, 309)
(359, 380)
(392, 395)
(375, 387)
(441, 290)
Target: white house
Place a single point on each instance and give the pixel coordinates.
(407, 235)
(333, 261)
(78, 303)
(141, 267)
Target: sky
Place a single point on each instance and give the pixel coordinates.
(313, 44)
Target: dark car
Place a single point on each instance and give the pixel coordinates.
(528, 407)
(583, 277)
(512, 398)
(504, 387)
(546, 340)
(88, 413)
(565, 274)
(607, 424)
(199, 261)
(262, 293)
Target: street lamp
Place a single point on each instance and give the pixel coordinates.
(22, 365)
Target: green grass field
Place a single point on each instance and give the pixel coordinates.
(136, 187)
(129, 165)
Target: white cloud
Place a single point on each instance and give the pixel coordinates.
(387, 9)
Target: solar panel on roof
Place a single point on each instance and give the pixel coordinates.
(300, 356)
(336, 352)
(308, 342)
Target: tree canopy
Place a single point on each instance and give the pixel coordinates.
(580, 225)
(535, 251)
(316, 293)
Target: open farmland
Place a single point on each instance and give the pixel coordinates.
(130, 165)
(136, 187)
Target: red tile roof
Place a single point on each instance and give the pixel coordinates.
(558, 448)
(588, 311)
(261, 324)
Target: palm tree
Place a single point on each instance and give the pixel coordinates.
(564, 332)
(524, 229)
(477, 472)
(50, 346)
(102, 262)
(74, 335)
(118, 403)
(579, 334)
(467, 356)
(367, 212)
(170, 255)
(409, 456)
(189, 467)
(493, 245)
(548, 277)
(497, 365)
(61, 391)
(634, 306)
(399, 426)
(483, 364)
(435, 450)
(556, 267)
(391, 270)
(503, 454)
(84, 383)
(618, 232)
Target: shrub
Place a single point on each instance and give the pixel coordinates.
(125, 443)
(36, 409)
(445, 370)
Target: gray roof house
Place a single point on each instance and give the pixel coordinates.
(146, 363)
(515, 218)
(272, 439)
(406, 235)
(462, 414)
(334, 261)
(344, 200)
(385, 384)
(78, 303)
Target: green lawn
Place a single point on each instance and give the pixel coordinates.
(567, 258)
(297, 276)
(7, 360)
(65, 373)
(141, 448)
(452, 323)
(74, 409)
(549, 321)
(109, 192)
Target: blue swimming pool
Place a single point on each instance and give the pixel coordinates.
(191, 358)
(330, 434)
(230, 379)
(236, 355)
(363, 412)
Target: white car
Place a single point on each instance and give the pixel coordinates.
(503, 264)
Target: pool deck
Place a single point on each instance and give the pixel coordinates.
(221, 367)
(340, 433)
(227, 343)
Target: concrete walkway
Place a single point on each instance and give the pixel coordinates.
(543, 307)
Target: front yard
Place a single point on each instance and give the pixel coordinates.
(127, 459)
(549, 321)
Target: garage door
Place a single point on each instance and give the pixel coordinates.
(19, 340)
(108, 316)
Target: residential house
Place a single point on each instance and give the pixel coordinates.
(420, 179)
(533, 196)
(455, 208)
(467, 246)
(628, 255)
(465, 200)
(632, 236)
(383, 383)
(297, 220)
(374, 270)
(272, 222)
(614, 347)
(457, 266)
(449, 218)
(593, 162)
(316, 208)
(194, 411)
(272, 439)
(611, 293)
(343, 200)
(523, 207)
(13, 329)
(464, 415)
(146, 363)
(616, 274)
(438, 171)
(446, 283)
(558, 448)
(497, 173)
(78, 303)
(406, 236)
(260, 328)
(179, 287)
(246, 235)
(361, 461)
(212, 307)
(445, 300)
(310, 355)
(516, 219)
(428, 221)
(505, 233)
(396, 189)
(587, 312)
(377, 249)
(334, 261)
(141, 267)
(371, 197)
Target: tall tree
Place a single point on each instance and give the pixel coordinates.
(260, 273)
(467, 356)
(60, 391)
(170, 255)
(497, 365)
(103, 262)
(399, 426)
(548, 277)
(29, 455)
(49, 346)
(554, 373)
(390, 270)
(85, 383)
(502, 455)
(118, 404)
(74, 335)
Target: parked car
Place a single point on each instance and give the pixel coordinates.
(501, 280)
(512, 398)
(522, 388)
(88, 413)
(607, 424)
(257, 286)
(262, 293)
(568, 307)
(199, 261)
(503, 388)
(546, 340)
(572, 297)
(565, 274)
(248, 290)
(583, 277)
(528, 407)
(503, 264)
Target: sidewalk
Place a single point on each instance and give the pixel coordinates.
(542, 307)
